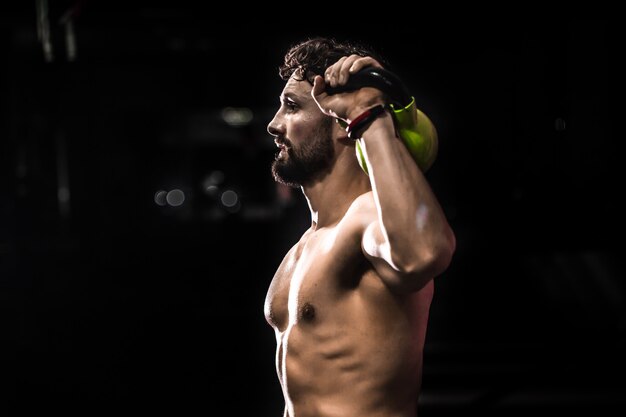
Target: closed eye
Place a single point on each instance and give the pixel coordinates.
(288, 103)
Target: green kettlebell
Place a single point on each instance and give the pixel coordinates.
(417, 132)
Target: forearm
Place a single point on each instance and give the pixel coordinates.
(413, 223)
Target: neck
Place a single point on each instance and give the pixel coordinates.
(330, 197)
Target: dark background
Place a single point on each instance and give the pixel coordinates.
(110, 301)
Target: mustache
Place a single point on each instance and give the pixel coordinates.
(283, 142)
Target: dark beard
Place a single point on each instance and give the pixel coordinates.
(308, 162)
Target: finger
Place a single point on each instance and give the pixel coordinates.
(363, 62)
(332, 72)
(344, 72)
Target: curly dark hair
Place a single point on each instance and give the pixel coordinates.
(311, 57)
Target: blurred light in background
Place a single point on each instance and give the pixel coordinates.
(211, 182)
(159, 198)
(63, 194)
(175, 197)
(230, 200)
(237, 116)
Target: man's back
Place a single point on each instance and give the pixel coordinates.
(347, 345)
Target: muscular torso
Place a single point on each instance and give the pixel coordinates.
(346, 345)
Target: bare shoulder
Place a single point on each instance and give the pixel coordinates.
(364, 201)
(362, 212)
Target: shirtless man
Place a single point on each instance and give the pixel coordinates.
(350, 301)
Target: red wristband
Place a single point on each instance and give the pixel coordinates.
(355, 127)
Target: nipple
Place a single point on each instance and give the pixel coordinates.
(307, 312)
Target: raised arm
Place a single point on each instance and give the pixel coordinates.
(410, 241)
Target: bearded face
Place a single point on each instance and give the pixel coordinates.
(299, 164)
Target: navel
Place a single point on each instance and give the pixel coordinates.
(307, 312)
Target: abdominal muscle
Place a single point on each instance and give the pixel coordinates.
(359, 355)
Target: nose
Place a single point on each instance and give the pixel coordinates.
(275, 126)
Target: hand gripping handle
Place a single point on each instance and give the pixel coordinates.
(380, 78)
(415, 129)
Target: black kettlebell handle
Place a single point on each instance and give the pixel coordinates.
(380, 78)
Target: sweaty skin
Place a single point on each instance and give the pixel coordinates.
(349, 303)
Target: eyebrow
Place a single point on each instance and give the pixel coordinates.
(288, 96)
